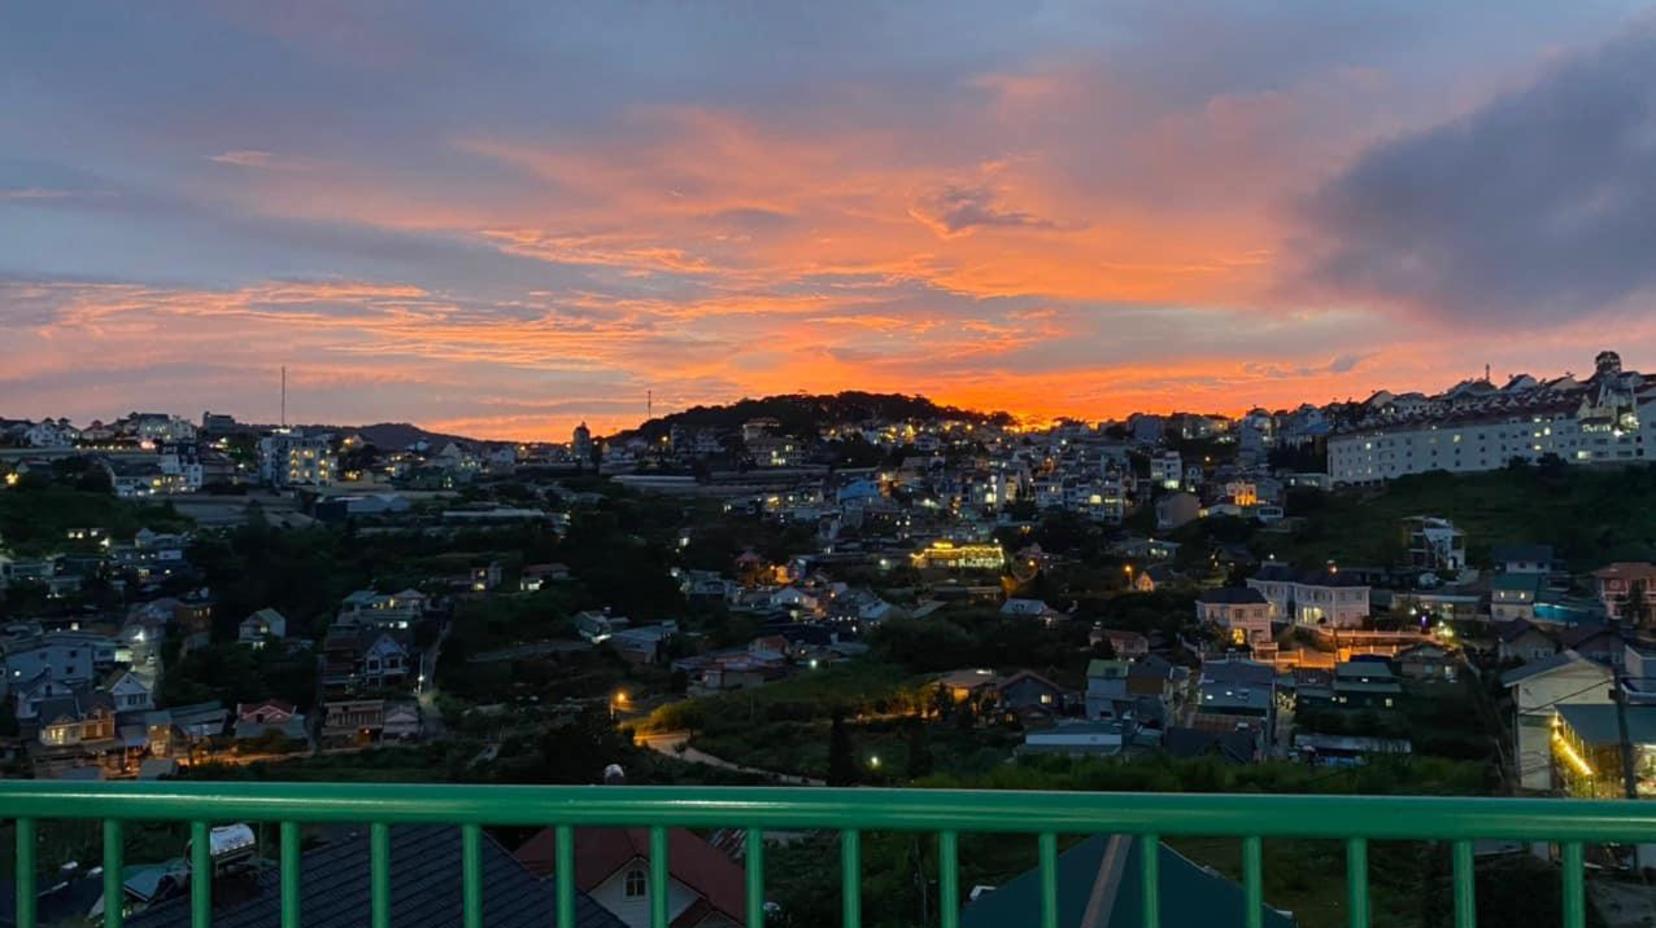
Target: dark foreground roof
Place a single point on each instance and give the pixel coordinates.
(1098, 887)
(425, 889)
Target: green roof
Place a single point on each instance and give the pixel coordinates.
(1520, 582)
(1098, 887)
(1596, 724)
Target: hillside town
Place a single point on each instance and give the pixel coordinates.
(842, 590)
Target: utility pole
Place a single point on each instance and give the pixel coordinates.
(1630, 780)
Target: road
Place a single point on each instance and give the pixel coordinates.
(675, 744)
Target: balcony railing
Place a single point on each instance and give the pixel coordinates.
(1355, 820)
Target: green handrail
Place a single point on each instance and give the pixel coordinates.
(1004, 811)
(1356, 820)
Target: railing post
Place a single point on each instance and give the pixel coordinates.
(471, 875)
(1049, 879)
(1575, 886)
(1253, 892)
(754, 852)
(25, 873)
(1150, 878)
(564, 861)
(948, 878)
(1466, 886)
(114, 885)
(290, 874)
(851, 878)
(1357, 894)
(201, 875)
(379, 874)
(658, 877)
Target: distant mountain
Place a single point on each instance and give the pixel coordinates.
(806, 414)
(395, 436)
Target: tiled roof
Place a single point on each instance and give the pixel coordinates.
(425, 889)
(600, 852)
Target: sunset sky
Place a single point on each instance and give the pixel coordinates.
(501, 219)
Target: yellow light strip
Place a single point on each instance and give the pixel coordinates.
(1569, 753)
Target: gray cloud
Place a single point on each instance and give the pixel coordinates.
(1536, 207)
(955, 209)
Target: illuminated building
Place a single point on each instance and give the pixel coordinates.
(1476, 426)
(967, 556)
(288, 458)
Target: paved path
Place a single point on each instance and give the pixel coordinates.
(676, 744)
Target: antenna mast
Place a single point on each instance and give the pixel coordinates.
(284, 396)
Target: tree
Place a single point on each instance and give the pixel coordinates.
(842, 759)
(919, 751)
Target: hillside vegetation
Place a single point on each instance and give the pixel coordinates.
(806, 414)
(1590, 517)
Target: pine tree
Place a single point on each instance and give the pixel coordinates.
(842, 761)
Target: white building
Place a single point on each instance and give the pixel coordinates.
(1477, 426)
(1538, 688)
(1317, 598)
(288, 458)
(1167, 470)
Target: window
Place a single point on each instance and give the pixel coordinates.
(635, 883)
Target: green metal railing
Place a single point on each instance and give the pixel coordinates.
(946, 813)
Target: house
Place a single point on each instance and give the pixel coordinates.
(1427, 661)
(1520, 640)
(1321, 597)
(1232, 747)
(486, 577)
(129, 692)
(262, 626)
(1027, 690)
(352, 721)
(402, 720)
(383, 610)
(1154, 577)
(1235, 694)
(1512, 595)
(76, 731)
(598, 626)
(1523, 559)
(177, 731)
(646, 644)
(1081, 738)
(1123, 643)
(1435, 544)
(334, 888)
(705, 889)
(1145, 690)
(1242, 612)
(1177, 509)
(1099, 887)
(1539, 688)
(1601, 643)
(257, 719)
(1628, 591)
(1325, 750)
(977, 683)
(356, 659)
(1366, 684)
(1026, 608)
(536, 576)
(1587, 749)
